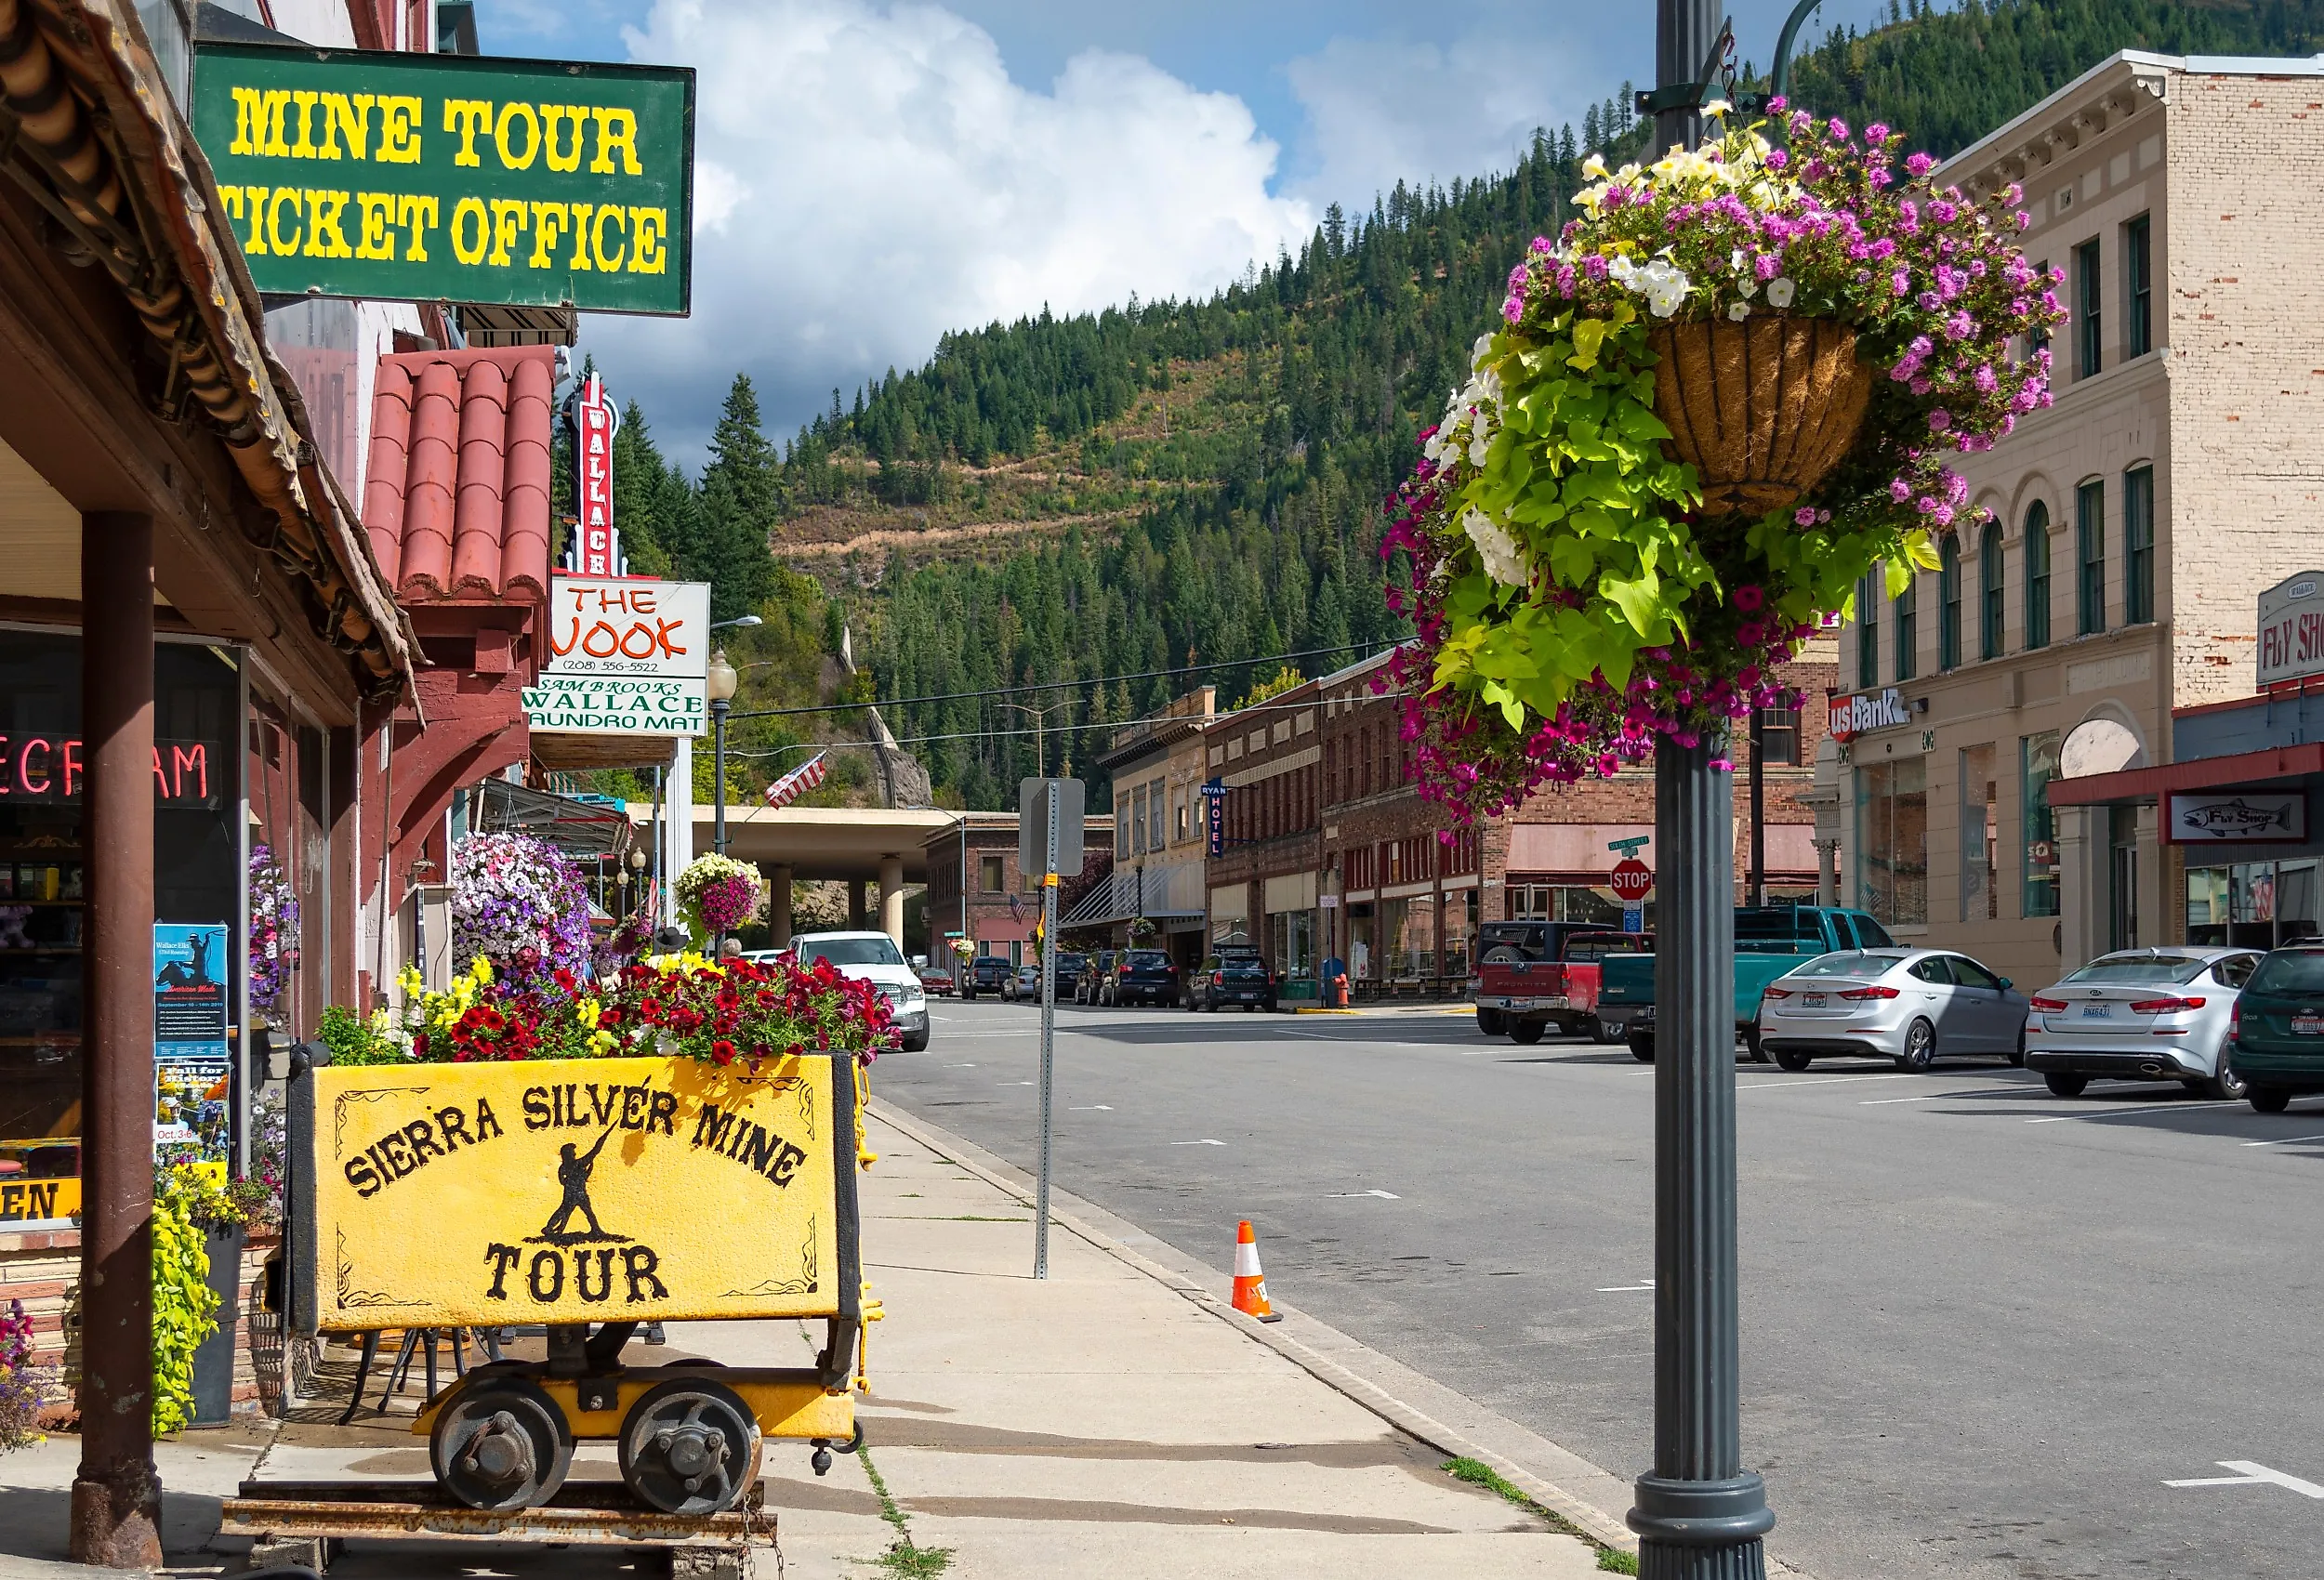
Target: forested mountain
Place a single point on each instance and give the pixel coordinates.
(1179, 484)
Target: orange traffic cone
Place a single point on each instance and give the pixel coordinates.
(1250, 1284)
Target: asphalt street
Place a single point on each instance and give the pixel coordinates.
(1982, 1328)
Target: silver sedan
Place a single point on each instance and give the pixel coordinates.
(1913, 1005)
(2142, 1015)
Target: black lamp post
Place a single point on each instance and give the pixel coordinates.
(720, 683)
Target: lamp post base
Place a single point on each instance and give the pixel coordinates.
(1701, 1530)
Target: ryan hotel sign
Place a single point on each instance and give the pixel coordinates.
(446, 177)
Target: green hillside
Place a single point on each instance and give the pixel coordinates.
(1176, 483)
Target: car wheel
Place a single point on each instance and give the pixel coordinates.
(1750, 1046)
(1793, 1060)
(1603, 1030)
(1643, 1050)
(967, 995)
(1492, 1022)
(2017, 1054)
(1527, 1033)
(916, 1042)
(2268, 1099)
(1920, 1048)
(2224, 1084)
(2065, 1083)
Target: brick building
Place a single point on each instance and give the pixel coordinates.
(975, 857)
(2136, 520)
(1157, 766)
(1263, 873)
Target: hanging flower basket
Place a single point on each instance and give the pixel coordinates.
(1763, 410)
(1720, 398)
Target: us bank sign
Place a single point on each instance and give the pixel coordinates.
(1869, 712)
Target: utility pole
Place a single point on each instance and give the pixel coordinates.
(1700, 1515)
(1757, 888)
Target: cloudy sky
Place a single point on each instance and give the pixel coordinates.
(871, 174)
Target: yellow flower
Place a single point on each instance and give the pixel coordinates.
(480, 969)
(600, 1041)
(586, 1011)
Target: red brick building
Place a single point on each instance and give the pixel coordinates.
(1262, 875)
(973, 879)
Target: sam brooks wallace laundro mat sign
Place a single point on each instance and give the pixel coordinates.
(455, 178)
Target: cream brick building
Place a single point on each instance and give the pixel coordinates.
(2135, 520)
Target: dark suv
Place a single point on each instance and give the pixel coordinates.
(1140, 976)
(1233, 976)
(1094, 966)
(987, 973)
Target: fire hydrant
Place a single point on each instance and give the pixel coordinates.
(1340, 990)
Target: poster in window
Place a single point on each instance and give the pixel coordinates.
(191, 1082)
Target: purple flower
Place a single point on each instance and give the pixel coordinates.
(1940, 420)
(1876, 134)
(1750, 598)
(1899, 490)
(1804, 516)
(1919, 164)
(1837, 128)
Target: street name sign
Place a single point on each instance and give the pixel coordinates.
(402, 177)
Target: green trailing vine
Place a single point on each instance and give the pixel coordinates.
(188, 1201)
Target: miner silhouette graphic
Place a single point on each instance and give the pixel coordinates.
(572, 1173)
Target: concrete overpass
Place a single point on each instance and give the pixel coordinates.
(858, 846)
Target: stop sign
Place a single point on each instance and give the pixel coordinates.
(1631, 881)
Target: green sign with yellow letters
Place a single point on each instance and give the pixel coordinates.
(447, 178)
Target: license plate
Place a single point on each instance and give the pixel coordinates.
(2308, 1025)
(2097, 1012)
(1810, 1001)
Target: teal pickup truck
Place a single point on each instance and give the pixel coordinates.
(1769, 940)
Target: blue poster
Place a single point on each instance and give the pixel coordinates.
(193, 1088)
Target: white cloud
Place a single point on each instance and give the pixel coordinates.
(869, 177)
(1384, 108)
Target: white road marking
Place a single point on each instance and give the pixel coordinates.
(1925, 1097)
(959, 1066)
(1206, 1141)
(2251, 1474)
(2109, 1114)
(1091, 1108)
(1823, 1081)
(1630, 1288)
(1359, 1195)
(2284, 1140)
(1012, 1083)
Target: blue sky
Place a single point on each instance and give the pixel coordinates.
(870, 174)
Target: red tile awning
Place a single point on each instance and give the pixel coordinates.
(2202, 773)
(457, 501)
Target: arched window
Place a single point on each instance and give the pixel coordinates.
(2037, 575)
(1948, 603)
(1990, 574)
(1907, 626)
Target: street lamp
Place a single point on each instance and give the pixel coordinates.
(720, 682)
(637, 874)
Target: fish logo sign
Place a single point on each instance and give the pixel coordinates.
(2246, 818)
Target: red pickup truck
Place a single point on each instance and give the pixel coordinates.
(1526, 994)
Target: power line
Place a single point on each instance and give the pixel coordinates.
(1053, 685)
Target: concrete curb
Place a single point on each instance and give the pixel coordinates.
(1544, 1472)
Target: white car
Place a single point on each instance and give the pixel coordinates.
(2143, 1015)
(1913, 1005)
(874, 957)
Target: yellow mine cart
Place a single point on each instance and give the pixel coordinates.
(589, 1195)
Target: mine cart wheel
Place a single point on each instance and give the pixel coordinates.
(501, 1444)
(690, 1446)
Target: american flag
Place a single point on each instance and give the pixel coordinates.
(797, 782)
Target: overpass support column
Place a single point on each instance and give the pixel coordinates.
(778, 907)
(857, 909)
(892, 898)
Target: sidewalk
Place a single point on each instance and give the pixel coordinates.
(1110, 1420)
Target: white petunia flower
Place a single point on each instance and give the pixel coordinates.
(1779, 291)
(1504, 561)
(1739, 311)
(1477, 351)
(1715, 108)
(1595, 167)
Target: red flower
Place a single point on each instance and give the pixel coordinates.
(729, 999)
(565, 980)
(760, 1050)
(419, 1045)
(724, 1051)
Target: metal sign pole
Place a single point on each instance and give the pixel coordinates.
(1049, 797)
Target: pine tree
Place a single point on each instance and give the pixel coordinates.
(738, 508)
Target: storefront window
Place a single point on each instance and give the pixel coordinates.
(1362, 932)
(1980, 835)
(1294, 939)
(2037, 765)
(1892, 840)
(197, 851)
(2251, 904)
(1408, 938)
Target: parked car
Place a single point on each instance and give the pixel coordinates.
(987, 973)
(1140, 976)
(2142, 1015)
(1913, 1005)
(935, 981)
(1026, 984)
(2277, 1027)
(1069, 969)
(873, 957)
(1525, 995)
(1232, 976)
(1093, 969)
(1769, 940)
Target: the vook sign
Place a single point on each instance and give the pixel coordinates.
(575, 1190)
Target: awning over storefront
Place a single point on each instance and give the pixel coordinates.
(593, 829)
(2204, 773)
